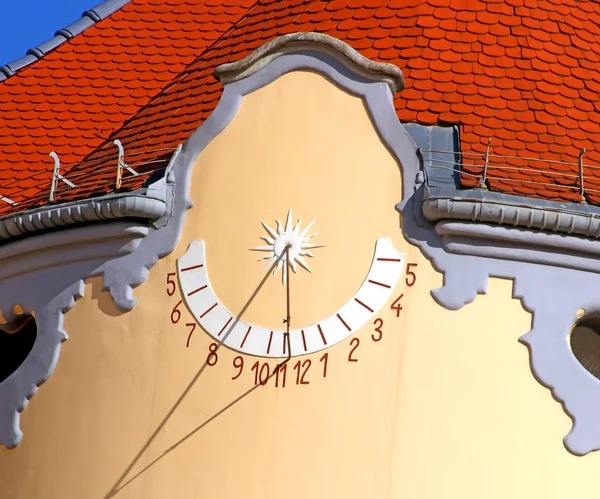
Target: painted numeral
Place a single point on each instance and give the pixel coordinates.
(301, 369)
(280, 375)
(397, 306)
(238, 363)
(261, 373)
(192, 326)
(171, 286)
(378, 323)
(410, 275)
(175, 313)
(324, 360)
(354, 342)
(212, 357)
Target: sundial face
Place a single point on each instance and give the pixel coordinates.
(287, 247)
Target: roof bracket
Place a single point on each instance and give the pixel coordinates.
(482, 182)
(56, 176)
(121, 164)
(8, 201)
(582, 191)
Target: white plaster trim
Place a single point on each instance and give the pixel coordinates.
(80, 212)
(319, 42)
(504, 213)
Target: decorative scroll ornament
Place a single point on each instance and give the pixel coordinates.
(297, 240)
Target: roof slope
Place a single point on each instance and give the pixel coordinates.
(76, 96)
(523, 72)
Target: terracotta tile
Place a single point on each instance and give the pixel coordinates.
(439, 107)
(466, 16)
(490, 92)
(586, 106)
(441, 44)
(538, 79)
(463, 79)
(500, 30)
(449, 118)
(427, 118)
(523, 64)
(447, 55)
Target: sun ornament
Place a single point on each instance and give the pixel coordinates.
(277, 241)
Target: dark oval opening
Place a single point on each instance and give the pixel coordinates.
(16, 342)
(585, 344)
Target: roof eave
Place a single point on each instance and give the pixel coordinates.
(131, 205)
(478, 205)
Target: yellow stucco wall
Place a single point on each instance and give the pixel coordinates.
(444, 406)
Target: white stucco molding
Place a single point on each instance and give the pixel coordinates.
(310, 41)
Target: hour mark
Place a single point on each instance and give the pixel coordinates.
(246, 336)
(321, 333)
(285, 342)
(389, 259)
(223, 328)
(196, 290)
(208, 310)
(303, 340)
(364, 305)
(343, 322)
(192, 268)
(269, 345)
(379, 284)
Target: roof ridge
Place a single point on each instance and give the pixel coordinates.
(88, 18)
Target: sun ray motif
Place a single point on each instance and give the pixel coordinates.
(283, 236)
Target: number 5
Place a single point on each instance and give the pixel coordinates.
(170, 284)
(411, 274)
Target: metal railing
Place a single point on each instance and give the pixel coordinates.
(487, 166)
(78, 175)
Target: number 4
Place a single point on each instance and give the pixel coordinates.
(397, 306)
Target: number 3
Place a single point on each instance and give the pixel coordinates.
(378, 325)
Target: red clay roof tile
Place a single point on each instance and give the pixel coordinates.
(512, 70)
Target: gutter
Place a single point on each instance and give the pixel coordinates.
(479, 205)
(112, 207)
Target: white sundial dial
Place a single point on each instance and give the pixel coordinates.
(295, 238)
(233, 331)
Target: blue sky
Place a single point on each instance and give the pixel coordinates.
(27, 23)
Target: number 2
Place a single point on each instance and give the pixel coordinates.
(355, 342)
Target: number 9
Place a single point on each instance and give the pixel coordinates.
(238, 363)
